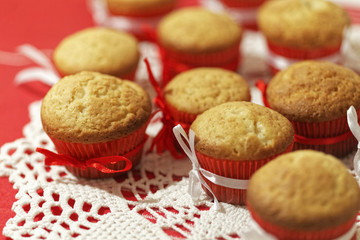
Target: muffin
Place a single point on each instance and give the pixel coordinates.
(90, 115)
(304, 195)
(315, 96)
(139, 17)
(235, 139)
(305, 29)
(194, 37)
(100, 50)
(192, 92)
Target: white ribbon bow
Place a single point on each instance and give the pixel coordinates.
(255, 232)
(195, 178)
(46, 73)
(353, 123)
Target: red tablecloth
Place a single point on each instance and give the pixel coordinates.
(42, 23)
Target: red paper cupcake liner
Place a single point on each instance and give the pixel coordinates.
(180, 116)
(295, 55)
(243, 3)
(203, 59)
(231, 169)
(171, 68)
(289, 234)
(302, 54)
(326, 130)
(117, 147)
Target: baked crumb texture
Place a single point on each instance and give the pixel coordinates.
(304, 190)
(90, 107)
(241, 131)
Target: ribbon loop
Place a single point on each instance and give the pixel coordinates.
(99, 163)
(353, 123)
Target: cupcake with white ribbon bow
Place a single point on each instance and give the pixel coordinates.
(303, 195)
(232, 141)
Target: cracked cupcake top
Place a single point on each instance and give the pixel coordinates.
(91, 107)
(199, 89)
(241, 131)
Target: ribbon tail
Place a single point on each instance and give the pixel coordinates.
(36, 55)
(109, 160)
(194, 188)
(46, 76)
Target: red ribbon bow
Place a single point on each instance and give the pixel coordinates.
(301, 139)
(165, 139)
(98, 163)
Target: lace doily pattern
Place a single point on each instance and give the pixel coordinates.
(149, 202)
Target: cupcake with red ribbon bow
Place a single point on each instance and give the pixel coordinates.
(315, 96)
(97, 123)
(302, 30)
(196, 37)
(303, 195)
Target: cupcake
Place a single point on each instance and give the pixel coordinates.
(90, 116)
(136, 15)
(194, 91)
(100, 50)
(304, 195)
(315, 96)
(235, 139)
(302, 30)
(195, 37)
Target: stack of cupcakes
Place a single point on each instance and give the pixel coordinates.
(302, 30)
(195, 37)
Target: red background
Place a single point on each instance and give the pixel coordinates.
(42, 23)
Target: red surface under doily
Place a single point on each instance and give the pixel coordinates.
(43, 24)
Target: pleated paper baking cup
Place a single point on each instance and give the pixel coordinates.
(332, 137)
(280, 57)
(119, 147)
(243, 3)
(231, 169)
(180, 116)
(291, 234)
(172, 66)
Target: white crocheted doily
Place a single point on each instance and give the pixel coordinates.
(150, 202)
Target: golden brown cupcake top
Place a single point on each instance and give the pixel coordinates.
(314, 91)
(139, 7)
(97, 49)
(199, 89)
(303, 24)
(241, 131)
(91, 107)
(196, 30)
(304, 190)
